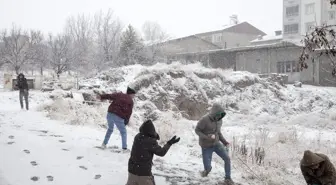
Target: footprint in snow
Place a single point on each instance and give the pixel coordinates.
(34, 163)
(10, 143)
(64, 149)
(34, 178)
(97, 176)
(61, 141)
(83, 167)
(79, 157)
(55, 135)
(11, 137)
(43, 131)
(50, 178)
(26, 151)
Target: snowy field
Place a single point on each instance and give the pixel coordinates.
(55, 140)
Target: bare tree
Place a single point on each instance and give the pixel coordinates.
(39, 50)
(108, 31)
(16, 48)
(320, 41)
(153, 35)
(61, 56)
(80, 31)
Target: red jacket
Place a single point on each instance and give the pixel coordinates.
(122, 105)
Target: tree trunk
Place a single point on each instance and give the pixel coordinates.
(17, 70)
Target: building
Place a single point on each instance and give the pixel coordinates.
(268, 39)
(236, 35)
(301, 16)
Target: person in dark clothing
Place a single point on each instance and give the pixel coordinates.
(119, 113)
(317, 169)
(23, 90)
(144, 147)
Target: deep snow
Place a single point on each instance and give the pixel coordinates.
(284, 120)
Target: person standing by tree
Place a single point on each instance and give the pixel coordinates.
(23, 90)
(119, 113)
(211, 140)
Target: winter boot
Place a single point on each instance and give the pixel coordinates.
(125, 150)
(205, 173)
(103, 146)
(229, 181)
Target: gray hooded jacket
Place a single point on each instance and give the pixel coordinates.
(208, 125)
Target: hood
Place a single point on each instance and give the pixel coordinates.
(148, 129)
(21, 75)
(310, 159)
(217, 111)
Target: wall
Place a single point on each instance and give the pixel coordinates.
(190, 44)
(326, 7)
(325, 76)
(234, 40)
(291, 19)
(265, 61)
(315, 17)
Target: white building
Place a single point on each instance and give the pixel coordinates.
(299, 16)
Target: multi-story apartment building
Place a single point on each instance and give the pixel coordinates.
(300, 16)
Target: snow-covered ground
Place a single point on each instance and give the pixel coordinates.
(284, 121)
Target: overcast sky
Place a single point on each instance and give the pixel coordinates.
(177, 17)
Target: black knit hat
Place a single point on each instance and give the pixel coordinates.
(130, 91)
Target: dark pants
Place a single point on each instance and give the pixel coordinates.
(220, 151)
(140, 180)
(24, 94)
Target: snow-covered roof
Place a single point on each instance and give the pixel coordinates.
(268, 38)
(283, 43)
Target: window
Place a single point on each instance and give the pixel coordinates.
(288, 67)
(292, 11)
(217, 38)
(310, 26)
(291, 28)
(331, 15)
(310, 8)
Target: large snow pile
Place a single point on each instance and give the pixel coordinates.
(282, 121)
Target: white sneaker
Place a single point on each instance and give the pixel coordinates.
(126, 150)
(103, 146)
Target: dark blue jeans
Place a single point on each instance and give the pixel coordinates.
(112, 120)
(221, 152)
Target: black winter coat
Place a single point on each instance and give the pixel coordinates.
(144, 147)
(22, 83)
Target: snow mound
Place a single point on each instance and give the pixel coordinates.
(282, 121)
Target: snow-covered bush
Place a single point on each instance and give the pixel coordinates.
(75, 113)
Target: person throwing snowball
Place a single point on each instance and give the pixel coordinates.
(211, 140)
(119, 113)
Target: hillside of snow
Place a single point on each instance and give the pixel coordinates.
(283, 121)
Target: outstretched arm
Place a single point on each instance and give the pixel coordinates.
(158, 150)
(112, 96)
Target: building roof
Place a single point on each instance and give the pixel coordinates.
(268, 38)
(191, 36)
(281, 44)
(243, 27)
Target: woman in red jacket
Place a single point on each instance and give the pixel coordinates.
(119, 113)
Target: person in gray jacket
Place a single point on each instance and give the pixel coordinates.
(211, 140)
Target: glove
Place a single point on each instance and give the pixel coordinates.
(226, 143)
(173, 140)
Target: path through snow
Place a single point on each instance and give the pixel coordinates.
(36, 150)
